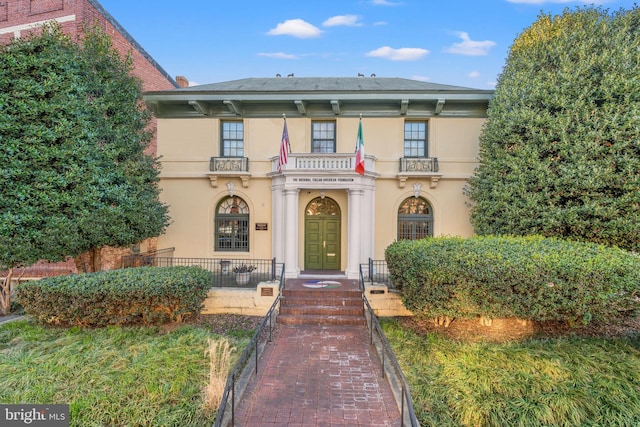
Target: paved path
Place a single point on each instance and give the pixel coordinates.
(10, 317)
(315, 376)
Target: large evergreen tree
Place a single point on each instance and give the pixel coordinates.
(73, 133)
(560, 151)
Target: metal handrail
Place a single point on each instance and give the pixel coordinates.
(240, 371)
(398, 382)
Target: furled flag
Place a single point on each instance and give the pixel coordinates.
(360, 150)
(285, 148)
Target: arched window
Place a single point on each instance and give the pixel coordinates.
(231, 225)
(415, 219)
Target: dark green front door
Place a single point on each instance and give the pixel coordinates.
(322, 235)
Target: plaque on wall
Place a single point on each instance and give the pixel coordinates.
(261, 226)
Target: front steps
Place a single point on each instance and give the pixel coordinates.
(321, 307)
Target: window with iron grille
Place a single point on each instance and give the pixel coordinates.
(415, 139)
(232, 139)
(323, 137)
(415, 219)
(231, 225)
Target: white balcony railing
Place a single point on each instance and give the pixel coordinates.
(341, 162)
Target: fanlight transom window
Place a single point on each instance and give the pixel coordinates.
(323, 207)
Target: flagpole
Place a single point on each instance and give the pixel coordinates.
(284, 117)
(360, 167)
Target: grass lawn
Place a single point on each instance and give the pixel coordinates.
(568, 381)
(115, 376)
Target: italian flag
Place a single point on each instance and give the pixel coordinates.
(360, 150)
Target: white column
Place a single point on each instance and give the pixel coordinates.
(354, 233)
(277, 223)
(291, 232)
(369, 221)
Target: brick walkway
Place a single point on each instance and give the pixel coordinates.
(318, 376)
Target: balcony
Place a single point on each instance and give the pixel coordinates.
(229, 167)
(419, 167)
(337, 162)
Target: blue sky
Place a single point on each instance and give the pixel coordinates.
(457, 42)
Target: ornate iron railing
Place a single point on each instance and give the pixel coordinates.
(419, 164)
(229, 164)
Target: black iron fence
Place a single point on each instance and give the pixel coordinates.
(247, 366)
(227, 272)
(143, 259)
(390, 367)
(376, 271)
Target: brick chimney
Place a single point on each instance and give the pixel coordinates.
(182, 81)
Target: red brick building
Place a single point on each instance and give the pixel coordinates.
(18, 18)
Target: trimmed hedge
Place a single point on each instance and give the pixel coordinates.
(145, 295)
(532, 278)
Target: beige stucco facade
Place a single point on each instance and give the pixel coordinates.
(188, 139)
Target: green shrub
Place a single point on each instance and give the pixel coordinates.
(146, 295)
(526, 277)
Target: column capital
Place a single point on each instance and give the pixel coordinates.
(355, 191)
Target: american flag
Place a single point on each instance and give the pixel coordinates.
(285, 148)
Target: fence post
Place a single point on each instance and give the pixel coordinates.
(402, 406)
(233, 399)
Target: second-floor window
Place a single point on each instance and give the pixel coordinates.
(323, 137)
(415, 139)
(232, 139)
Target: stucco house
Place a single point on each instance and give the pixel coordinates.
(232, 196)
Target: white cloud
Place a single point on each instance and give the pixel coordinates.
(278, 55)
(474, 74)
(346, 20)
(379, 23)
(384, 3)
(296, 28)
(402, 54)
(470, 47)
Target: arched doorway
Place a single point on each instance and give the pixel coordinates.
(322, 235)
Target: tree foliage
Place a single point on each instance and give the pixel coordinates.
(560, 151)
(73, 133)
